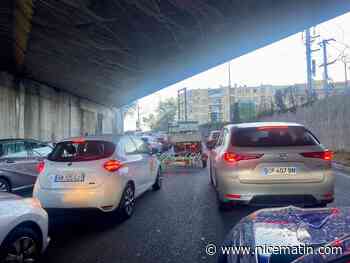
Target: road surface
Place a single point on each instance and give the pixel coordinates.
(171, 225)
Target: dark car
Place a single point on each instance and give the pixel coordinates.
(298, 235)
(18, 162)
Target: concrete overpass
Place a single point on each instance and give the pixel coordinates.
(100, 54)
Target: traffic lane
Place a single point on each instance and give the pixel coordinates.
(171, 225)
(342, 186)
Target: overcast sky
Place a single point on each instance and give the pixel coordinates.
(280, 63)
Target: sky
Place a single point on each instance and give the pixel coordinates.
(283, 62)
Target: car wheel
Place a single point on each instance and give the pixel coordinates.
(22, 245)
(4, 185)
(158, 183)
(127, 203)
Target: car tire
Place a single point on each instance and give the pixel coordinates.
(204, 163)
(24, 238)
(224, 206)
(127, 202)
(158, 183)
(5, 185)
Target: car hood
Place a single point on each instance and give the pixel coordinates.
(290, 226)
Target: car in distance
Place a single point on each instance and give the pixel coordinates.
(23, 229)
(271, 164)
(98, 172)
(152, 143)
(18, 161)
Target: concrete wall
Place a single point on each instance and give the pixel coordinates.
(32, 110)
(328, 119)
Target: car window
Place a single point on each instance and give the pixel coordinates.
(141, 147)
(128, 145)
(226, 137)
(273, 137)
(14, 150)
(70, 151)
(38, 149)
(220, 140)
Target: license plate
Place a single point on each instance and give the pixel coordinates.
(70, 178)
(279, 171)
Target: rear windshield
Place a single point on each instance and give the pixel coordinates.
(81, 151)
(273, 137)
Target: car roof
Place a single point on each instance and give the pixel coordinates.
(262, 124)
(18, 139)
(103, 137)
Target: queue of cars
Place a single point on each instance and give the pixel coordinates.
(252, 163)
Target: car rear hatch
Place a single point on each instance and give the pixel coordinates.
(288, 159)
(76, 164)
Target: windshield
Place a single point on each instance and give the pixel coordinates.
(143, 131)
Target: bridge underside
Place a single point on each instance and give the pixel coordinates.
(112, 52)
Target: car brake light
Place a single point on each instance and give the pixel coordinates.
(78, 141)
(234, 157)
(268, 128)
(233, 196)
(40, 167)
(325, 155)
(112, 165)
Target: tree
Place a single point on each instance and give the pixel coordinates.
(165, 114)
(150, 121)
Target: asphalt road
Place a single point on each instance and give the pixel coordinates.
(171, 225)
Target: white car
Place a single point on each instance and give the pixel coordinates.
(23, 229)
(100, 172)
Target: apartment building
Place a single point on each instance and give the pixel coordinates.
(217, 105)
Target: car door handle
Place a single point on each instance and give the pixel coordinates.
(10, 161)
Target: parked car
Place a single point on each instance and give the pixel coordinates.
(289, 234)
(102, 172)
(271, 163)
(18, 161)
(23, 229)
(152, 143)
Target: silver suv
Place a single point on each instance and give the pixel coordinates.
(271, 164)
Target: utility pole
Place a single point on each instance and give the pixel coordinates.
(310, 69)
(308, 61)
(325, 64)
(229, 92)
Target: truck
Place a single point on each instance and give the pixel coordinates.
(186, 140)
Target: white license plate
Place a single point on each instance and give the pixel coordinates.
(70, 178)
(279, 171)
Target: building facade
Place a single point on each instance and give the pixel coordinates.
(219, 105)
